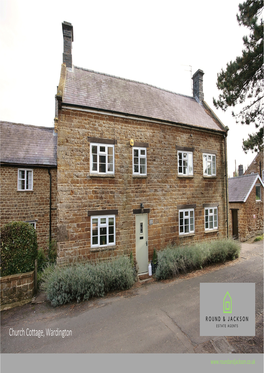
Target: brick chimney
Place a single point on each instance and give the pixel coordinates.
(67, 31)
(198, 85)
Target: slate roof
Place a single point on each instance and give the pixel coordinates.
(27, 145)
(240, 187)
(100, 91)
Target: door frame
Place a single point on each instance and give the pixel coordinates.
(144, 217)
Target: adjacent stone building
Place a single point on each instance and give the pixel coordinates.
(28, 178)
(256, 166)
(138, 167)
(246, 206)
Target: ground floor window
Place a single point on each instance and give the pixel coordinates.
(102, 230)
(186, 221)
(211, 218)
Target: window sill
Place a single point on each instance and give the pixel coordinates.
(140, 176)
(102, 175)
(187, 235)
(25, 190)
(211, 231)
(185, 176)
(258, 200)
(103, 248)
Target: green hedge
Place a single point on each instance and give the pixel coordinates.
(174, 260)
(18, 248)
(84, 281)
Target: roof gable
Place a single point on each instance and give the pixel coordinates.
(239, 188)
(27, 145)
(94, 90)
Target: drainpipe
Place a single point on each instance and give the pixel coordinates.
(226, 176)
(50, 207)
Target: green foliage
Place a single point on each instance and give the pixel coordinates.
(174, 260)
(52, 251)
(18, 248)
(242, 80)
(42, 260)
(259, 238)
(155, 257)
(84, 281)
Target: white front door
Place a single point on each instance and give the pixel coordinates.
(142, 242)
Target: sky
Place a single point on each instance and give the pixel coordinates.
(161, 43)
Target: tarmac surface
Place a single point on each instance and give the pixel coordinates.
(151, 317)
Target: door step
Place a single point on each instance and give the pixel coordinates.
(144, 277)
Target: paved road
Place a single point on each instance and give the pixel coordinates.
(158, 317)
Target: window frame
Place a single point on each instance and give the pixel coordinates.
(258, 186)
(189, 211)
(140, 156)
(33, 223)
(19, 179)
(103, 154)
(211, 214)
(213, 166)
(188, 173)
(102, 225)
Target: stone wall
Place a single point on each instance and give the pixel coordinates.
(162, 191)
(250, 216)
(16, 288)
(29, 205)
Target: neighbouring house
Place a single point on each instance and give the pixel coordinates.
(28, 178)
(138, 167)
(246, 206)
(256, 166)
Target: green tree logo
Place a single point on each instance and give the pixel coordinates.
(227, 303)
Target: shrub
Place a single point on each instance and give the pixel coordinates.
(84, 281)
(18, 248)
(173, 260)
(42, 260)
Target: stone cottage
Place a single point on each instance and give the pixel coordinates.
(28, 178)
(138, 167)
(246, 206)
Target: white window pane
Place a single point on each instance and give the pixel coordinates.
(102, 149)
(142, 152)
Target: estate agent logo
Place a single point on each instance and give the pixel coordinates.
(227, 303)
(227, 309)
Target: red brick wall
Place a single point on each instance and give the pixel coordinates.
(29, 205)
(161, 191)
(250, 216)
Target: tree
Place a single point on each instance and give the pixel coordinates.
(242, 80)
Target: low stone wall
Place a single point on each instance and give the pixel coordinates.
(16, 288)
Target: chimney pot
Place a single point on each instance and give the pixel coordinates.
(240, 170)
(67, 31)
(198, 85)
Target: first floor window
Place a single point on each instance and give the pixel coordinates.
(102, 159)
(103, 231)
(186, 221)
(211, 218)
(209, 165)
(139, 161)
(25, 179)
(185, 163)
(258, 195)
